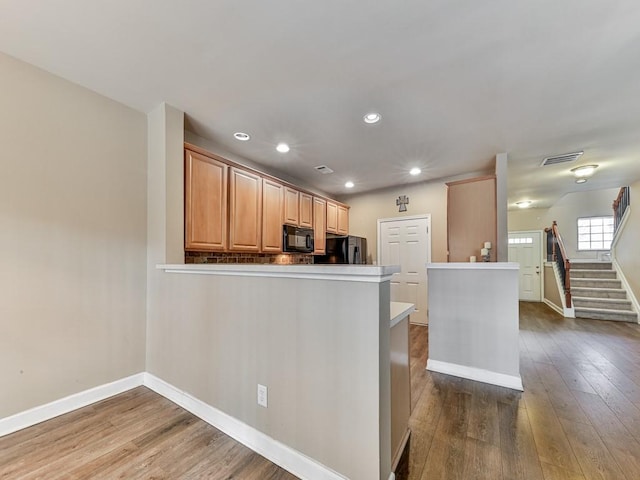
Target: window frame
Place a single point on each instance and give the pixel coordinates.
(591, 241)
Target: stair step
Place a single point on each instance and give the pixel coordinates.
(591, 273)
(606, 314)
(596, 283)
(598, 292)
(605, 303)
(591, 266)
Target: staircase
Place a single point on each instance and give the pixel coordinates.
(597, 293)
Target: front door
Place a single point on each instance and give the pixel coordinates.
(525, 249)
(406, 241)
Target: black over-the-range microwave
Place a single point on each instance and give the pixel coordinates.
(297, 239)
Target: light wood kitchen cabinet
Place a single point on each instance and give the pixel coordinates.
(343, 220)
(245, 210)
(291, 206)
(306, 210)
(332, 217)
(230, 207)
(205, 213)
(272, 211)
(319, 225)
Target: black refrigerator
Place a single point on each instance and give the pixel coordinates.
(344, 249)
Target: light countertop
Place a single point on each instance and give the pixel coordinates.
(353, 273)
(400, 310)
(474, 266)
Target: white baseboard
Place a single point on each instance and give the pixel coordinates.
(553, 306)
(626, 286)
(68, 404)
(278, 453)
(616, 265)
(477, 374)
(288, 458)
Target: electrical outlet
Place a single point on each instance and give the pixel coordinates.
(262, 396)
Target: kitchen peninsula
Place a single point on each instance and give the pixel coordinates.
(318, 337)
(473, 321)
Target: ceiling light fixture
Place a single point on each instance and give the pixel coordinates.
(349, 184)
(373, 117)
(584, 171)
(282, 148)
(243, 137)
(415, 171)
(581, 180)
(524, 204)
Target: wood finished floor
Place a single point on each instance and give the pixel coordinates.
(578, 419)
(135, 435)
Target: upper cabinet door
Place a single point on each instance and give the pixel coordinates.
(245, 210)
(205, 203)
(332, 217)
(306, 210)
(319, 225)
(343, 220)
(272, 195)
(291, 206)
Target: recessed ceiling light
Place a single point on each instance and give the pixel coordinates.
(415, 171)
(349, 184)
(373, 117)
(584, 171)
(282, 148)
(581, 180)
(524, 204)
(243, 137)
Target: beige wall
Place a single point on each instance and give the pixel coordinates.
(319, 359)
(566, 212)
(627, 251)
(72, 238)
(430, 197)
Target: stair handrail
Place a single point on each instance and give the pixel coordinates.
(620, 205)
(558, 254)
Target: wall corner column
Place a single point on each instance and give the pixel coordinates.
(165, 186)
(502, 228)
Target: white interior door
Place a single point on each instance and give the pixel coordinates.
(525, 248)
(406, 241)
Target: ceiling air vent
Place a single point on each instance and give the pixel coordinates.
(323, 169)
(564, 158)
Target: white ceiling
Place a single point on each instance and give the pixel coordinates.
(455, 82)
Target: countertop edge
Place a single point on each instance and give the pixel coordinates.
(474, 266)
(352, 273)
(399, 311)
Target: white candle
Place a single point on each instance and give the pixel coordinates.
(484, 251)
(487, 245)
(472, 258)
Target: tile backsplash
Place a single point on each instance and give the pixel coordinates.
(231, 257)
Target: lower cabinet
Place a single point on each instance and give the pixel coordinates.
(245, 210)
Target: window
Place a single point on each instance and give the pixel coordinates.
(595, 233)
(520, 240)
